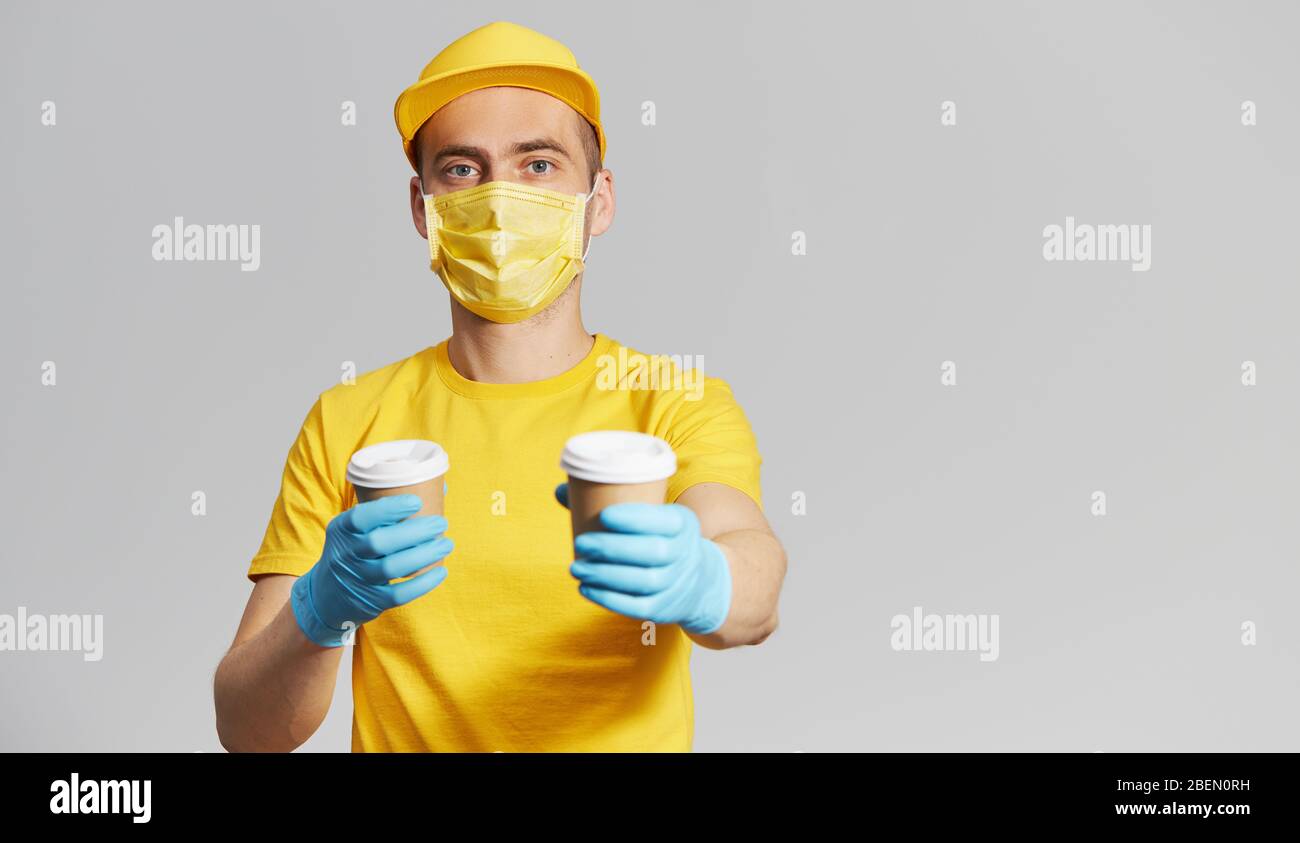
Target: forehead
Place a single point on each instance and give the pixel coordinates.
(496, 118)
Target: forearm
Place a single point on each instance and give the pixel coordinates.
(273, 691)
(757, 563)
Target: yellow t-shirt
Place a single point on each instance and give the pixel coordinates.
(505, 654)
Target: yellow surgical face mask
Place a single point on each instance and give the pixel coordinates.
(506, 250)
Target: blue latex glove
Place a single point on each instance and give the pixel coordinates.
(654, 565)
(365, 547)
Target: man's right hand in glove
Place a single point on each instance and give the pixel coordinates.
(365, 547)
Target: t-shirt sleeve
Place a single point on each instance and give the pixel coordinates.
(713, 441)
(308, 500)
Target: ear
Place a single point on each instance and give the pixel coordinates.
(602, 204)
(417, 207)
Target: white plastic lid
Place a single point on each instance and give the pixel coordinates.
(618, 456)
(402, 462)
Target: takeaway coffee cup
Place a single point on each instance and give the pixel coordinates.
(614, 466)
(399, 467)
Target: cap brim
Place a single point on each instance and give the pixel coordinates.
(567, 84)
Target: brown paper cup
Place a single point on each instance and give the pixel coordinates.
(587, 499)
(429, 491)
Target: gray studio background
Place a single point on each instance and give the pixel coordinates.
(1120, 632)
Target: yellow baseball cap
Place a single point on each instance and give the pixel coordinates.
(500, 53)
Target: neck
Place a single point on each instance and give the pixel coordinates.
(549, 344)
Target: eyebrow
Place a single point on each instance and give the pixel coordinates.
(520, 148)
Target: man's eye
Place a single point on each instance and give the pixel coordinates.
(462, 170)
(543, 165)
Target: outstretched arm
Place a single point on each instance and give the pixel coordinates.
(732, 520)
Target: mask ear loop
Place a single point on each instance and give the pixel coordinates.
(585, 200)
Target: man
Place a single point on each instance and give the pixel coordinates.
(524, 638)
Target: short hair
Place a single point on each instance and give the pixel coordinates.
(586, 131)
(590, 147)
